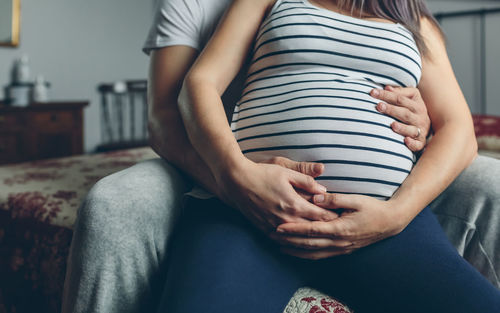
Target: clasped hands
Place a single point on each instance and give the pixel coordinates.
(281, 197)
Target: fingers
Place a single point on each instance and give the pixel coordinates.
(399, 98)
(414, 139)
(307, 168)
(306, 183)
(406, 130)
(305, 195)
(310, 243)
(406, 106)
(306, 209)
(337, 201)
(399, 111)
(311, 229)
(316, 255)
(410, 92)
(415, 145)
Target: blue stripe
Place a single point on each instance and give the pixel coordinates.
(361, 194)
(322, 131)
(292, 51)
(325, 65)
(337, 40)
(368, 164)
(306, 81)
(292, 74)
(359, 179)
(303, 97)
(313, 118)
(336, 28)
(329, 146)
(308, 107)
(306, 89)
(328, 18)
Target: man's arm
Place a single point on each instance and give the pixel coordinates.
(167, 69)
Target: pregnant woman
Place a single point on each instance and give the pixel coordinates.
(307, 97)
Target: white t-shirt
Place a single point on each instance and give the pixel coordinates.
(184, 22)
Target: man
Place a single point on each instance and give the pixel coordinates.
(119, 250)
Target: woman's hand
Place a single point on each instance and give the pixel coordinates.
(407, 106)
(364, 220)
(271, 194)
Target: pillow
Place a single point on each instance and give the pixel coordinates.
(308, 300)
(487, 130)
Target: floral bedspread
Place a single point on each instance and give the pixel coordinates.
(38, 204)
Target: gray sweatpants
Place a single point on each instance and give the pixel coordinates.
(118, 256)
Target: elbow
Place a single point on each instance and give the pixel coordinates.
(196, 85)
(472, 151)
(163, 127)
(189, 85)
(156, 141)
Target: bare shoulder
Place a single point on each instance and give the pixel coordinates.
(433, 38)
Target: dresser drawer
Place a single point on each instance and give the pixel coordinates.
(53, 120)
(9, 146)
(10, 121)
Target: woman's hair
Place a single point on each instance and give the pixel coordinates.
(405, 12)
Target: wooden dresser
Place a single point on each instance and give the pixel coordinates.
(40, 131)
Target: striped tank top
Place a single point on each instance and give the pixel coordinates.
(306, 96)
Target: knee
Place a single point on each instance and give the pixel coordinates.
(479, 181)
(131, 199)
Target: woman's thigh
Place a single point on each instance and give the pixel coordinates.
(415, 271)
(219, 263)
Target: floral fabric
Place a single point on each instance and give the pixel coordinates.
(38, 205)
(487, 130)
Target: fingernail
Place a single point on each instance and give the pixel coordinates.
(323, 188)
(390, 88)
(381, 107)
(317, 168)
(319, 198)
(375, 92)
(280, 230)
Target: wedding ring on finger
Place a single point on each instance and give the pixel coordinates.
(419, 132)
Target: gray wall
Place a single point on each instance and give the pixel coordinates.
(76, 44)
(463, 48)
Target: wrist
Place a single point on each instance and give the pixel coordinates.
(230, 169)
(401, 215)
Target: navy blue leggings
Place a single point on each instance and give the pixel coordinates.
(220, 263)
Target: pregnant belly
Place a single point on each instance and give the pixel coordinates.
(361, 153)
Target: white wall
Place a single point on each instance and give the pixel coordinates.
(463, 48)
(77, 44)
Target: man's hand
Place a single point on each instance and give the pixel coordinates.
(406, 106)
(275, 192)
(364, 220)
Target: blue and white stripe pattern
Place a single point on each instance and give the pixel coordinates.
(307, 96)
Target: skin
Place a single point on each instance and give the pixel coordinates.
(265, 209)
